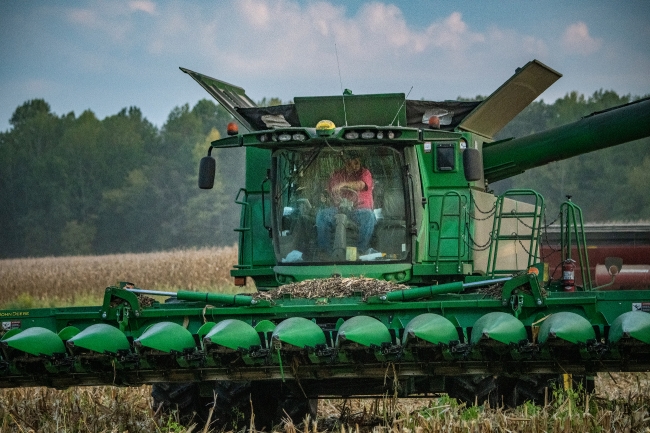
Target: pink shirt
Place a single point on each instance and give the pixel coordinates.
(361, 199)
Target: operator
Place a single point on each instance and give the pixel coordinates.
(350, 190)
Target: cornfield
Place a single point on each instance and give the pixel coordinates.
(60, 281)
(621, 402)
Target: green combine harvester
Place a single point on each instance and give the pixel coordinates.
(383, 263)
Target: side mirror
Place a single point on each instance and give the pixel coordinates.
(613, 265)
(473, 164)
(207, 169)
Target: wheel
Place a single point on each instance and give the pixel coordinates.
(538, 388)
(346, 197)
(182, 400)
(510, 391)
(479, 389)
(273, 401)
(232, 407)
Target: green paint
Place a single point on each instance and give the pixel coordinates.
(430, 327)
(299, 332)
(567, 326)
(498, 326)
(36, 341)
(166, 337)
(100, 338)
(363, 330)
(233, 334)
(633, 324)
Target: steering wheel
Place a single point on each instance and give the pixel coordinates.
(346, 197)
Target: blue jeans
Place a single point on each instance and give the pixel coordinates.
(326, 225)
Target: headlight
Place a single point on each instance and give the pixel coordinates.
(351, 135)
(367, 135)
(391, 134)
(284, 137)
(380, 135)
(299, 136)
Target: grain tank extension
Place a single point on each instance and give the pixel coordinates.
(383, 264)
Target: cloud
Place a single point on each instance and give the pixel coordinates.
(114, 19)
(257, 13)
(452, 34)
(277, 44)
(109, 19)
(287, 36)
(143, 6)
(576, 40)
(294, 37)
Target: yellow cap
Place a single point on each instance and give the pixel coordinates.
(325, 127)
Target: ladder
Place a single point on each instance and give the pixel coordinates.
(451, 230)
(518, 213)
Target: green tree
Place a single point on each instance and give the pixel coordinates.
(212, 116)
(159, 205)
(29, 206)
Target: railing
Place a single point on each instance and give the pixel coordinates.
(522, 213)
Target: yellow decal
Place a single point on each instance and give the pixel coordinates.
(14, 313)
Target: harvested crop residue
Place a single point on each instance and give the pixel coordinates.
(332, 288)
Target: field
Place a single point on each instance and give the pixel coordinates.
(621, 402)
(61, 281)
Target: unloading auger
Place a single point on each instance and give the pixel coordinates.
(439, 287)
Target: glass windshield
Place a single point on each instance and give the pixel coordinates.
(339, 205)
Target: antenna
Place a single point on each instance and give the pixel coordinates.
(400, 107)
(345, 113)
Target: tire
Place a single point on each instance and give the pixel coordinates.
(232, 408)
(511, 392)
(479, 389)
(538, 388)
(273, 401)
(182, 400)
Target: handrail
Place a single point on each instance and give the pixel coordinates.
(573, 218)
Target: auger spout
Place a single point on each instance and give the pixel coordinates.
(440, 289)
(185, 295)
(599, 130)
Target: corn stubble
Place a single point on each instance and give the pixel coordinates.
(621, 404)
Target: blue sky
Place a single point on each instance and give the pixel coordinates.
(107, 55)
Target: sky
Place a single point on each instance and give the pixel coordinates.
(108, 55)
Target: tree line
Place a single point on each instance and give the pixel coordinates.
(80, 185)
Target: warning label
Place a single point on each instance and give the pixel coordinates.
(6, 326)
(641, 306)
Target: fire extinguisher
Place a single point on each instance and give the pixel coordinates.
(569, 275)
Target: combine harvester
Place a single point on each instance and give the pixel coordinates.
(422, 282)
